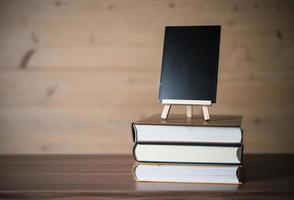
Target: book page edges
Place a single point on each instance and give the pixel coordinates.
(238, 175)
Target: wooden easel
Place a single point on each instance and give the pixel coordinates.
(189, 103)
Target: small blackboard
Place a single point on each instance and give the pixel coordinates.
(190, 63)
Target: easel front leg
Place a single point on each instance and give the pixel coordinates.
(189, 111)
(165, 111)
(205, 113)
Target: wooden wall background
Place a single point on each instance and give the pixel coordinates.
(74, 74)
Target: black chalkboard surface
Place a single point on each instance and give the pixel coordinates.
(190, 63)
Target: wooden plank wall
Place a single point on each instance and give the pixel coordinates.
(74, 74)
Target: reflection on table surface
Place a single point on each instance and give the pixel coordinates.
(148, 186)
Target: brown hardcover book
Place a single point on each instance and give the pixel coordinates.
(221, 129)
(216, 120)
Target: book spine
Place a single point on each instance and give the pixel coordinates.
(134, 132)
(134, 171)
(242, 133)
(239, 174)
(134, 150)
(242, 153)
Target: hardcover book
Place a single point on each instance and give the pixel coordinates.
(180, 153)
(221, 129)
(154, 172)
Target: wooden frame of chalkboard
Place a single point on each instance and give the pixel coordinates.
(189, 68)
(189, 104)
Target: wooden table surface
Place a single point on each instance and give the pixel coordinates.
(268, 176)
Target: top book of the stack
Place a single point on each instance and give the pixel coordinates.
(221, 129)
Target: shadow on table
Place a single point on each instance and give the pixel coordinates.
(256, 167)
(261, 167)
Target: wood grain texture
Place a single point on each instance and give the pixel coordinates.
(267, 176)
(75, 74)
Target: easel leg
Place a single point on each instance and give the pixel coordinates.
(205, 113)
(189, 111)
(165, 111)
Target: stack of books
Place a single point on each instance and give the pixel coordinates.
(186, 150)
